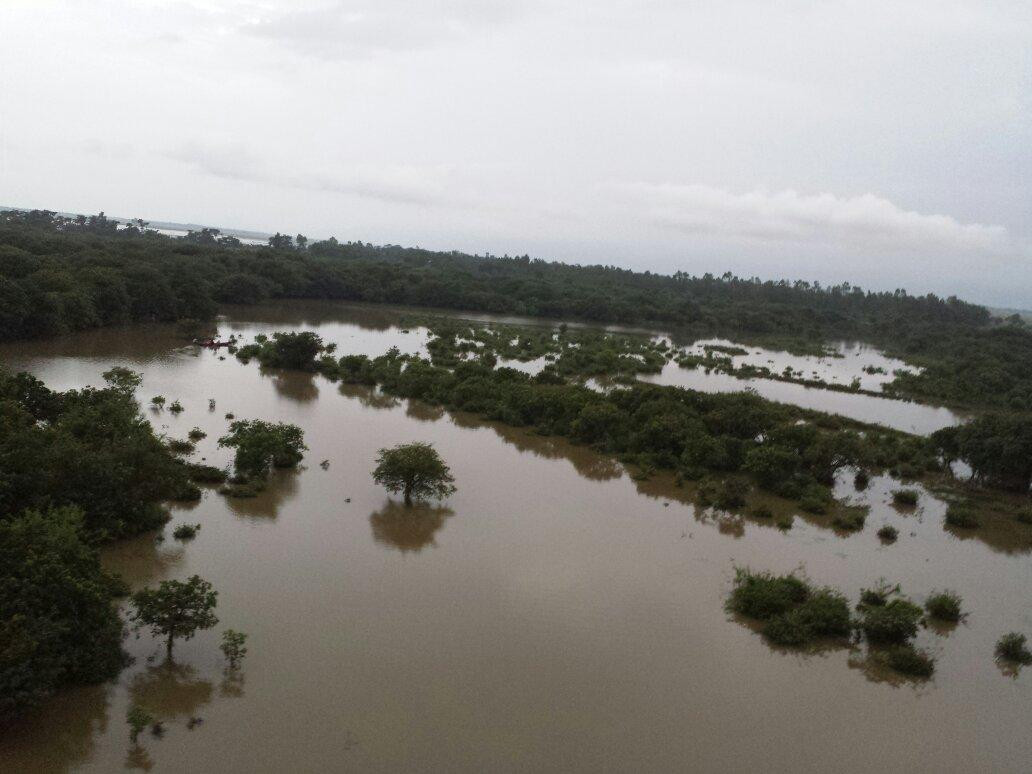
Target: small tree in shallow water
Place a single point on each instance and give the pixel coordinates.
(176, 609)
(232, 647)
(260, 445)
(416, 470)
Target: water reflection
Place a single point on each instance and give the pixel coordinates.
(137, 757)
(423, 412)
(370, 397)
(63, 732)
(297, 386)
(280, 488)
(408, 528)
(170, 690)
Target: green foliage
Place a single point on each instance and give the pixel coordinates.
(1012, 647)
(893, 622)
(944, 605)
(962, 516)
(888, 533)
(232, 647)
(178, 446)
(764, 596)
(997, 446)
(175, 407)
(205, 474)
(850, 518)
(137, 719)
(58, 624)
(90, 448)
(186, 531)
(905, 497)
(176, 609)
(794, 613)
(62, 274)
(295, 350)
(158, 401)
(123, 379)
(196, 434)
(416, 470)
(908, 660)
(816, 498)
(259, 445)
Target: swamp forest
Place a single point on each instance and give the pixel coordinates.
(316, 506)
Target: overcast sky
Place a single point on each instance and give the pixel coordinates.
(884, 143)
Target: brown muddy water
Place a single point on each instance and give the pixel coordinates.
(552, 615)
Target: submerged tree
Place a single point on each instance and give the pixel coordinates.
(232, 647)
(260, 445)
(176, 609)
(416, 469)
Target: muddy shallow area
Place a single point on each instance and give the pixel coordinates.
(552, 615)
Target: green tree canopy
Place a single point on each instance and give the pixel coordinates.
(260, 445)
(176, 609)
(415, 469)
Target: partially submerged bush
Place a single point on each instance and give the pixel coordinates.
(175, 407)
(944, 605)
(894, 622)
(762, 512)
(731, 494)
(906, 498)
(793, 612)
(186, 531)
(179, 446)
(908, 660)
(816, 499)
(784, 522)
(850, 519)
(764, 596)
(962, 516)
(158, 401)
(196, 434)
(888, 533)
(1012, 648)
(205, 474)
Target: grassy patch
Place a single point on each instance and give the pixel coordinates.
(894, 622)
(906, 498)
(944, 605)
(908, 660)
(962, 517)
(888, 533)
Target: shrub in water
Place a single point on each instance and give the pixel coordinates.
(206, 474)
(888, 533)
(815, 499)
(905, 497)
(196, 434)
(763, 512)
(179, 446)
(907, 660)
(944, 605)
(784, 522)
(851, 520)
(175, 407)
(893, 622)
(962, 516)
(826, 613)
(764, 596)
(1012, 647)
(731, 494)
(186, 531)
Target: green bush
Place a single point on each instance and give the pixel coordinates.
(186, 531)
(1012, 647)
(888, 533)
(906, 498)
(962, 517)
(175, 407)
(763, 596)
(784, 522)
(907, 660)
(179, 446)
(196, 434)
(763, 512)
(894, 622)
(851, 519)
(815, 498)
(205, 474)
(861, 480)
(731, 494)
(944, 605)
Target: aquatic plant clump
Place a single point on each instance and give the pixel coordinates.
(894, 622)
(907, 660)
(888, 533)
(186, 531)
(794, 613)
(944, 605)
(906, 498)
(1012, 647)
(962, 517)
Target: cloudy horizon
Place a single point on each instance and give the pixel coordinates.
(884, 144)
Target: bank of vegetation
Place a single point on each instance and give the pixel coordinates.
(59, 275)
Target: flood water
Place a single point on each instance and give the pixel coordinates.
(552, 615)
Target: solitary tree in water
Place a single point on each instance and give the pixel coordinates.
(176, 609)
(415, 469)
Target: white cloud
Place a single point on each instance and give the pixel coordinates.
(859, 222)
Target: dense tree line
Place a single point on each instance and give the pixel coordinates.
(76, 469)
(59, 274)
